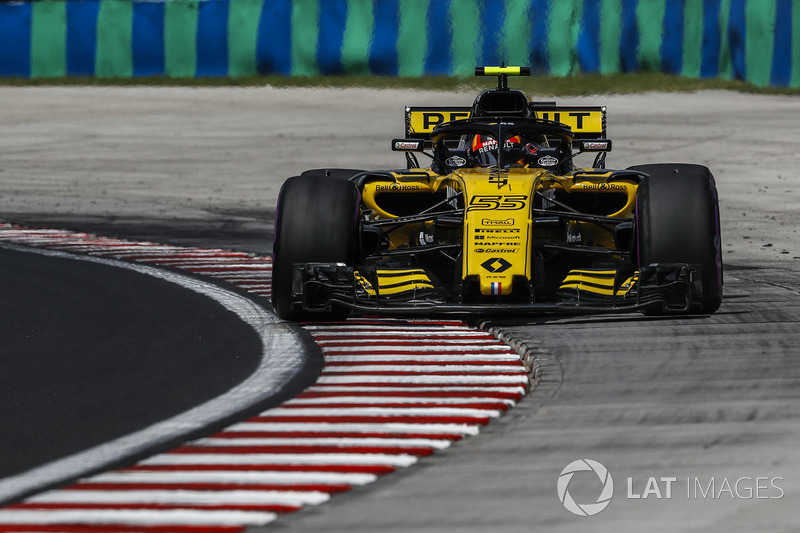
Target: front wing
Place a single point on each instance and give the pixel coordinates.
(321, 287)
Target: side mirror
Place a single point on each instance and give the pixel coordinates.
(594, 145)
(408, 145)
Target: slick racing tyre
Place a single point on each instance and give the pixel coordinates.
(342, 173)
(677, 221)
(315, 221)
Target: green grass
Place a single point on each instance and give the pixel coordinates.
(577, 85)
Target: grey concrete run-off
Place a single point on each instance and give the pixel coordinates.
(163, 158)
(701, 398)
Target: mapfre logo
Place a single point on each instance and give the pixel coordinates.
(586, 509)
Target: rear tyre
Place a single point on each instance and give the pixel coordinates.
(677, 221)
(315, 221)
(342, 173)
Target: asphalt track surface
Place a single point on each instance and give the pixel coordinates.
(92, 352)
(108, 362)
(700, 398)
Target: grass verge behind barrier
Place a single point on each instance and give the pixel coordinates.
(577, 85)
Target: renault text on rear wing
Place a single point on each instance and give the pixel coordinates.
(586, 122)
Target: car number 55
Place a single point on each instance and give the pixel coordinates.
(498, 202)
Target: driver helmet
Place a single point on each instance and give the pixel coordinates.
(482, 151)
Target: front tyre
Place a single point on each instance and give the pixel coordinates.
(677, 221)
(315, 222)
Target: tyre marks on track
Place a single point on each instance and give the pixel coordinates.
(391, 392)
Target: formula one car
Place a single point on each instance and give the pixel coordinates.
(501, 221)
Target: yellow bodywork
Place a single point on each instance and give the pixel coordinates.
(497, 226)
(598, 282)
(396, 281)
(498, 220)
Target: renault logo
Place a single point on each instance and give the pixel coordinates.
(496, 264)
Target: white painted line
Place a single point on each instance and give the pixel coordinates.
(324, 441)
(341, 329)
(405, 333)
(316, 459)
(191, 264)
(188, 497)
(189, 253)
(424, 369)
(377, 400)
(137, 517)
(204, 259)
(498, 389)
(122, 249)
(178, 254)
(254, 276)
(381, 411)
(415, 347)
(223, 475)
(454, 379)
(218, 274)
(378, 343)
(383, 428)
(221, 268)
(506, 357)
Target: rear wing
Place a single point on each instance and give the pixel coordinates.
(586, 122)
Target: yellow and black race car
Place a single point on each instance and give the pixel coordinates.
(501, 221)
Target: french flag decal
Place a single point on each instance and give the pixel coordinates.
(496, 287)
